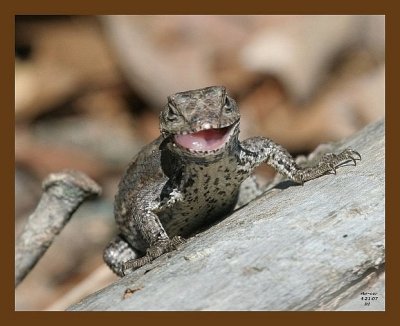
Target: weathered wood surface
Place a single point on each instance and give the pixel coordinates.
(311, 247)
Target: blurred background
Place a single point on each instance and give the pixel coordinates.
(88, 91)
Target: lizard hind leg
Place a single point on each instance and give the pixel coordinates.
(117, 252)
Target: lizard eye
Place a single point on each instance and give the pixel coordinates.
(228, 105)
(171, 114)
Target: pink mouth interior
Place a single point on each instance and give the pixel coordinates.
(205, 140)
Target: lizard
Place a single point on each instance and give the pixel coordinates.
(194, 174)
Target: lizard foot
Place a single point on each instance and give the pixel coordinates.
(328, 164)
(159, 248)
(332, 161)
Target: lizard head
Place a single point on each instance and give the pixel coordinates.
(201, 121)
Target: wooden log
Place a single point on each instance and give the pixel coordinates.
(311, 247)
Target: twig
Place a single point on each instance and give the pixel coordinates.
(62, 194)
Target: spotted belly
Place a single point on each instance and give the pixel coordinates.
(197, 211)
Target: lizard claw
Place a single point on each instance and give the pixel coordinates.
(353, 152)
(332, 161)
(350, 154)
(159, 248)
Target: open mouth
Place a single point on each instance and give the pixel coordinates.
(204, 140)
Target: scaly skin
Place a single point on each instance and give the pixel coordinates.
(184, 180)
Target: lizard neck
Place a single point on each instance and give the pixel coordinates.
(185, 170)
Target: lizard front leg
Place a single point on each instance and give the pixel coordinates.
(153, 232)
(257, 150)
